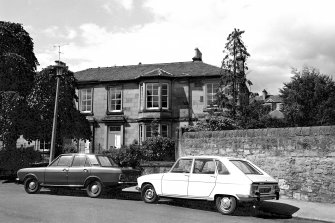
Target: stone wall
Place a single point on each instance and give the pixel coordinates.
(302, 159)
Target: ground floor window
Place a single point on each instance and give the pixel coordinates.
(146, 130)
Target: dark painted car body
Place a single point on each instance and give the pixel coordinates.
(78, 171)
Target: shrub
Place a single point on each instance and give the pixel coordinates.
(11, 160)
(126, 156)
(158, 149)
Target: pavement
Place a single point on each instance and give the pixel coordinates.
(289, 207)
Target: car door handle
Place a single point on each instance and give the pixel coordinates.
(65, 170)
(212, 176)
(85, 170)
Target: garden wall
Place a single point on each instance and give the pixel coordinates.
(302, 159)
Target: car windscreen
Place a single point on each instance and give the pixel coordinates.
(245, 167)
(106, 161)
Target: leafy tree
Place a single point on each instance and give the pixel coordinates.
(309, 98)
(70, 123)
(158, 148)
(234, 77)
(17, 69)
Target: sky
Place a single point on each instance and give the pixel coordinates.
(279, 34)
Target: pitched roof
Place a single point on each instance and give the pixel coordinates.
(132, 72)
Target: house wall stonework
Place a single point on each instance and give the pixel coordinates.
(302, 159)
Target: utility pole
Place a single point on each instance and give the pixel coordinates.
(59, 69)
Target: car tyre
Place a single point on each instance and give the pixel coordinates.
(31, 185)
(148, 194)
(226, 204)
(94, 189)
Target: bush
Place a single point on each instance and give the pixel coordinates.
(126, 156)
(11, 160)
(158, 149)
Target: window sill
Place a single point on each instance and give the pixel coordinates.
(87, 113)
(155, 110)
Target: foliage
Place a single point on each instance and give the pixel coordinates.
(70, 122)
(17, 69)
(309, 98)
(234, 77)
(158, 149)
(126, 156)
(215, 122)
(13, 159)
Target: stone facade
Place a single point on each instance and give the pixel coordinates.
(302, 159)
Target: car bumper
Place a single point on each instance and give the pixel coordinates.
(18, 181)
(257, 197)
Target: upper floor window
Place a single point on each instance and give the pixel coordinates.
(211, 89)
(154, 95)
(85, 104)
(115, 99)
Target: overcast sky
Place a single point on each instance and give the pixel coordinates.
(279, 34)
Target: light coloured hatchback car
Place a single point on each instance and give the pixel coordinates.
(226, 181)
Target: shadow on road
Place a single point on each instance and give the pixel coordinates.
(267, 210)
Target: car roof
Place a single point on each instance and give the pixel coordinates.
(212, 157)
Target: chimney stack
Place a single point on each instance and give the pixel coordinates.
(265, 94)
(198, 55)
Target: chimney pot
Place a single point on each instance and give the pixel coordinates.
(198, 55)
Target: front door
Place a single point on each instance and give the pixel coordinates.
(57, 172)
(114, 137)
(202, 180)
(79, 171)
(175, 182)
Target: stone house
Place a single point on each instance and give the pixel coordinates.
(121, 102)
(275, 102)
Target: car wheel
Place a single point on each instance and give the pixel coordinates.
(94, 189)
(148, 194)
(31, 185)
(226, 204)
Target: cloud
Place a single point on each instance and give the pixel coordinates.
(279, 35)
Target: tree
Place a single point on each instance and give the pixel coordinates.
(309, 98)
(234, 77)
(17, 69)
(71, 123)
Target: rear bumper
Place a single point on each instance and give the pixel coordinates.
(258, 197)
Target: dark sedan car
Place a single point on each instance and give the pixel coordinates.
(86, 171)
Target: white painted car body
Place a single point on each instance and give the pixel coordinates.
(223, 177)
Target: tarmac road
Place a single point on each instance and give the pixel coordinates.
(74, 206)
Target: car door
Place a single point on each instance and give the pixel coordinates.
(79, 170)
(202, 179)
(175, 182)
(57, 172)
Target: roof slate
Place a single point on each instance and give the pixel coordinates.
(132, 72)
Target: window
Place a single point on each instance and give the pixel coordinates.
(106, 161)
(222, 169)
(115, 99)
(204, 166)
(246, 167)
(164, 130)
(147, 130)
(64, 161)
(79, 161)
(86, 100)
(152, 95)
(182, 166)
(93, 160)
(156, 96)
(211, 90)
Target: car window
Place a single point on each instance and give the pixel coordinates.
(106, 161)
(245, 167)
(93, 160)
(55, 162)
(64, 161)
(222, 169)
(204, 166)
(79, 161)
(182, 166)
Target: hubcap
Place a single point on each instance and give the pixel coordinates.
(149, 194)
(225, 203)
(95, 189)
(32, 185)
